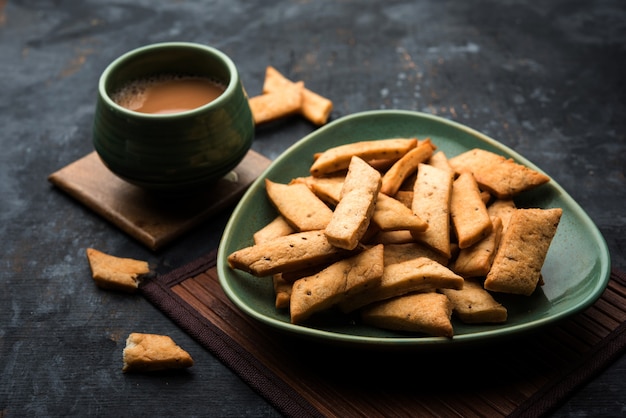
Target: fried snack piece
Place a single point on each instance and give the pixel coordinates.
(517, 266)
(394, 237)
(398, 253)
(314, 107)
(278, 104)
(416, 275)
(474, 305)
(152, 352)
(328, 191)
(300, 207)
(405, 166)
(389, 213)
(338, 158)
(440, 160)
(341, 279)
(115, 273)
(392, 215)
(429, 313)
(475, 261)
(468, 212)
(289, 253)
(278, 227)
(503, 209)
(282, 290)
(353, 213)
(502, 177)
(405, 197)
(431, 202)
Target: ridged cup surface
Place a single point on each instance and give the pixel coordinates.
(179, 152)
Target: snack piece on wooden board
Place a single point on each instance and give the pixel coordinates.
(502, 177)
(405, 166)
(352, 215)
(468, 212)
(474, 305)
(297, 251)
(429, 313)
(523, 248)
(298, 205)
(116, 273)
(315, 108)
(278, 104)
(431, 202)
(153, 352)
(476, 261)
(416, 275)
(336, 282)
(338, 158)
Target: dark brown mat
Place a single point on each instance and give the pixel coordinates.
(153, 222)
(525, 377)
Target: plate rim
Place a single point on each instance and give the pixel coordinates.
(412, 341)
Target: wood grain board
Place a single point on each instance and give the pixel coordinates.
(153, 221)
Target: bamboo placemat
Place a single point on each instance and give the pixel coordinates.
(529, 376)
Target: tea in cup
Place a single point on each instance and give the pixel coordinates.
(172, 118)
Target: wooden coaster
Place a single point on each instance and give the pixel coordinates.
(153, 222)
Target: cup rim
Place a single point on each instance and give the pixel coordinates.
(232, 84)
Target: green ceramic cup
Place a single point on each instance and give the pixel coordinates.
(176, 153)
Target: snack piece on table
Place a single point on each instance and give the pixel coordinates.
(297, 251)
(116, 273)
(353, 213)
(476, 261)
(338, 158)
(405, 166)
(298, 205)
(341, 279)
(417, 275)
(523, 248)
(315, 107)
(502, 177)
(475, 305)
(278, 104)
(468, 212)
(427, 313)
(431, 202)
(153, 352)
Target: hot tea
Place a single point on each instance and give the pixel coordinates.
(167, 94)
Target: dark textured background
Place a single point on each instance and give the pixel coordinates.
(545, 78)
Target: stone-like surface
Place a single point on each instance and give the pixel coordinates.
(546, 78)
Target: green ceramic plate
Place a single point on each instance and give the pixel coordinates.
(576, 269)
